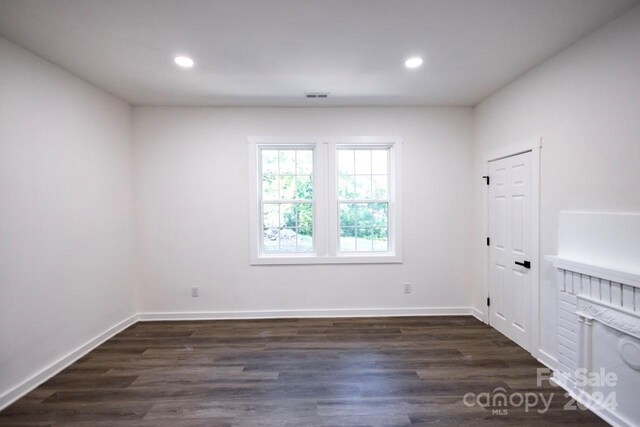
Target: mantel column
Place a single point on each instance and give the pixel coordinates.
(585, 341)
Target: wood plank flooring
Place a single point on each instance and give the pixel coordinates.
(294, 372)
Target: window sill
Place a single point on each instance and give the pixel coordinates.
(314, 259)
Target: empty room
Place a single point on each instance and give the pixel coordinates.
(319, 212)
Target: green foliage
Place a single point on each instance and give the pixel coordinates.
(368, 220)
(299, 216)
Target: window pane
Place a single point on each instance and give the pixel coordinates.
(379, 162)
(379, 216)
(305, 216)
(380, 239)
(288, 237)
(270, 161)
(287, 187)
(345, 162)
(379, 186)
(304, 162)
(364, 215)
(360, 181)
(304, 187)
(287, 227)
(270, 186)
(271, 239)
(363, 187)
(363, 227)
(364, 239)
(305, 243)
(347, 215)
(346, 186)
(287, 162)
(363, 162)
(347, 239)
(271, 215)
(305, 239)
(288, 215)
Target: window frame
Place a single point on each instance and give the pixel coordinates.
(326, 201)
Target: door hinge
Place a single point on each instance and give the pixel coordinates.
(487, 178)
(488, 302)
(488, 241)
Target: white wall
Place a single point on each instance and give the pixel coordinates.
(192, 192)
(66, 227)
(585, 104)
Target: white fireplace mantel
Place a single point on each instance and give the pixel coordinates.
(603, 272)
(598, 283)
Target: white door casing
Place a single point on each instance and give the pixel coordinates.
(510, 232)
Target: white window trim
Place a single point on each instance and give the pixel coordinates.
(325, 200)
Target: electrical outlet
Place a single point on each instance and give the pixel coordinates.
(194, 292)
(407, 288)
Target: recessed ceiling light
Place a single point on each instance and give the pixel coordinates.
(414, 62)
(183, 61)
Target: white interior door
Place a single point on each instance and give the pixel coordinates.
(510, 247)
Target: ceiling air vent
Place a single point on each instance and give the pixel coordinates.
(317, 95)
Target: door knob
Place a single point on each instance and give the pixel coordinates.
(525, 264)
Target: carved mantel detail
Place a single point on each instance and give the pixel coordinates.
(629, 351)
(610, 316)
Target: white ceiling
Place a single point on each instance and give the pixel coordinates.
(270, 52)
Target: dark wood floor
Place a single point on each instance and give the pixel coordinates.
(298, 372)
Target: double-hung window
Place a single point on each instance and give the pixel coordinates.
(325, 200)
(286, 199)
(363, 199)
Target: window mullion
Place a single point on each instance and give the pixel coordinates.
(330, 169)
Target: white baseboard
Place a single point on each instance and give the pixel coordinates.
(35, 380)
(284, 314)
(547, 360)
(477, 314)
(608, 415)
